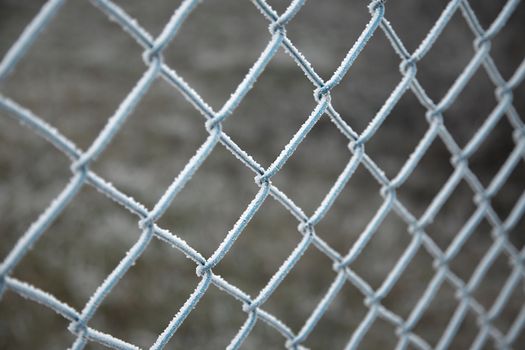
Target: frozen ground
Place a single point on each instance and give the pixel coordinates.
(83, 65)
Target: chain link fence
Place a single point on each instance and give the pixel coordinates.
(404, 327)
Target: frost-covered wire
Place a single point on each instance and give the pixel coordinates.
(307, 225)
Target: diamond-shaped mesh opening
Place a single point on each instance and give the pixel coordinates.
(21, 177)
(211, 53)
(77, 243)
(467, 333)
(248, 266)
(264, 335)
(294, 312)
(126, 161)
(475, 244)
(26, 318)
(404, 25)
(307, 179)
(336, 325)
(385, 147)
(220, 190)
(420, 189)
(314, 28)
(259, 111)
(450, 219)
(514, 234)
(463, 119)
(487, 13)
(519, 102)
(216, 307)
(152, 19)
(453, 46)
(15, 16)
(507, 197)
(382, 334)
(511, 303)
(148, 296)
(488, 159)
(381, 242)
(346, 234)
(348, 217)
(42, 81)
(357, 106)
(505, 41)
(498, 271)
(437, 314)
(403, 297)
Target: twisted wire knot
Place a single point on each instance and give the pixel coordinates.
(485, 320)
(464, 293)
(519, 135)
(277, 27)
(78, 327)
(357, 145)
(408, 66)
(203, 269)
(146, 223)
(292, 344)
(483, 43)
(403, 330)
(153, 56)
(339, 266)
(504, 92)
(373, 300)
(322, 92)
(81, 165)
(389, 190)
(263, 179)
(250, 307)
(416, 228)
(518, 262)
(306, 228)
(460, 159)
(435, 115)
(441, 262)
(376, 5)
(483, 198)
(213, 125)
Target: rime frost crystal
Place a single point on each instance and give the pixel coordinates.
(342, 263)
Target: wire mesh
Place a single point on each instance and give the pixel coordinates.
(342, 262)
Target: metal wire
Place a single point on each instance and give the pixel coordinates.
(342, 263)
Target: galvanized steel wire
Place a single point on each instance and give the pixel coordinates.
(253, 306)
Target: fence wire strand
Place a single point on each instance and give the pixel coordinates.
(342, 262)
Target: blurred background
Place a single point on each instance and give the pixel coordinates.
(83, 65)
